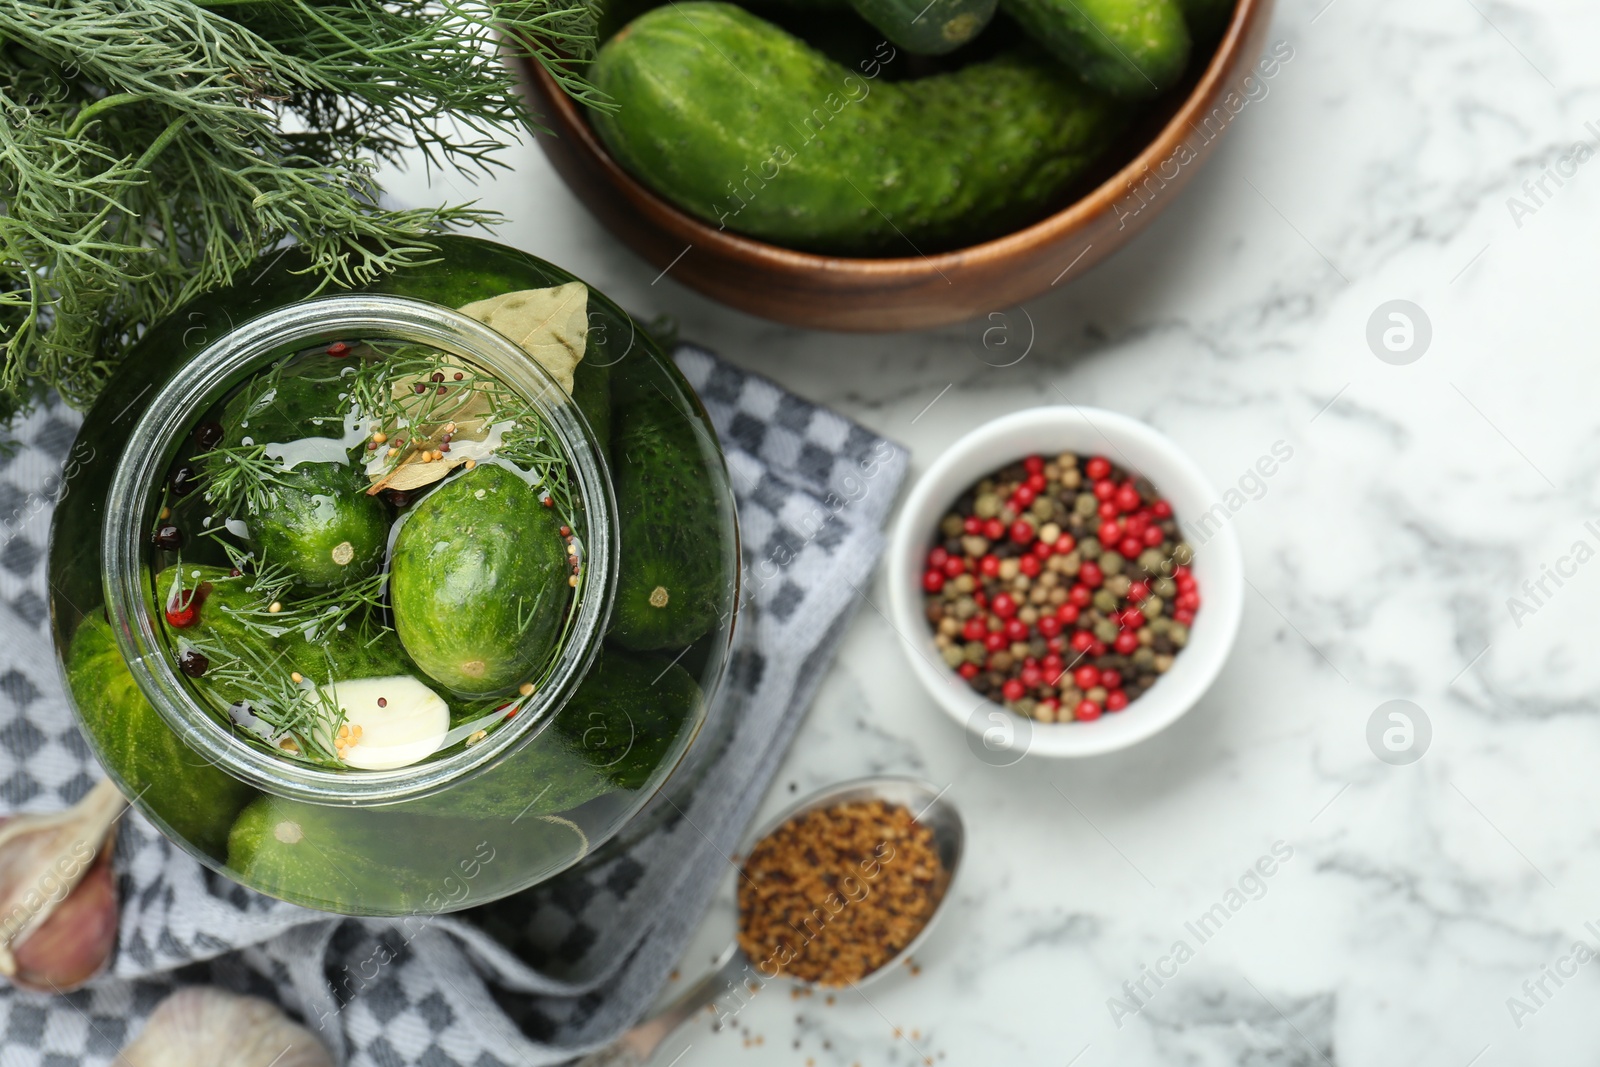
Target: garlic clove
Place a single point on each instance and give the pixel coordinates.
(203, 1027)
(74, 944)
(43, 858)
(394, 721)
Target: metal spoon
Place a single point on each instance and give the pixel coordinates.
(634, 1048)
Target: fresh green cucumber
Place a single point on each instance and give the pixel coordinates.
(317, 520)
(246, 652)
(927, 27)
(1130, 49)
(670, 575)
(182, 789)
(478, 582)
(616, 732)
(321, 525)
(389, 861)
(746, 126)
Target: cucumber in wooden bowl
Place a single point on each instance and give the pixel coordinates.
(1131, 49)
(748, 127)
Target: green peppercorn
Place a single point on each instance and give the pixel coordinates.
(1178, 634)
(1158, 625)
(1090, 548)
(1118, 584)
(1182, 554)
(1163, 663)
(1085, 504)
(1150, 561)
(974, 545)
(1164, 587)
(987, 506)
(1111, 563)
(953, 656)
(1002, 661)
(1043, 508)
(1152, 607)
(1071, 562)
(1105, 630)
(952, 526)
(1097, 694)
(1143, 658)
(1105, 600)
(976, 653)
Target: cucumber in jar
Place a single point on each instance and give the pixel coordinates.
(478, 582)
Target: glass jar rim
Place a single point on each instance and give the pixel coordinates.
(199, 384)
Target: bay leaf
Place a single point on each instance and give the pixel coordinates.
(551, 325)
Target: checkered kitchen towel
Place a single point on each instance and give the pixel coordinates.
(586, 953)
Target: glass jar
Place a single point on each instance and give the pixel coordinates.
(492, 811)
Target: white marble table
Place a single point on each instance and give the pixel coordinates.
(1382, 558)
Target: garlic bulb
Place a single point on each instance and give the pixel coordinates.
(202, 1027)
(58, 929)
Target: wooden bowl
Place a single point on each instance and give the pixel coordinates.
(913, 292)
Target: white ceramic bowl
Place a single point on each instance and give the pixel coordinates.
(1000, 735)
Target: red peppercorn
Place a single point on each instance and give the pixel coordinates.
(1127, 643)
(973, 525)
(1031, 677)
(1037, 483)
(1105, 490)
(1064, 544)
(1187, 601)
(1004, 606)
(1080, 596)
(954, 567)
(338, 350)
(1029, 565)
(974, 630)
(1033, 464)
(1111, 679)
(994, 529)
(1056, 644)
(1131, 547)
(1016, 630)
(1087, 711)
(1091, 575)
(1048, 625)
(995, 641)
(1184, 616)
(969, 671)
(1135, 525)
(1132, 619)
(1153, 536)
(1097, 649)
(1138, 592)
(1127, 497)
(1161, 509)
(1097, 467)
(1082, 641)
(1110, 533)
(548, 501)
(1024, 496)
(1013, 690)
(1086, 677)
(980, 598)
(1021, 531)
(989, 566)
(1107, 510)
(936, 557)
(1067, 614)
(932, 582)
(566, 531)
(1042, 549)
(1116, 700)
(181, 611)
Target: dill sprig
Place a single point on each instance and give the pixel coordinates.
(152, 150)
(301, 712)
(316, 616)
